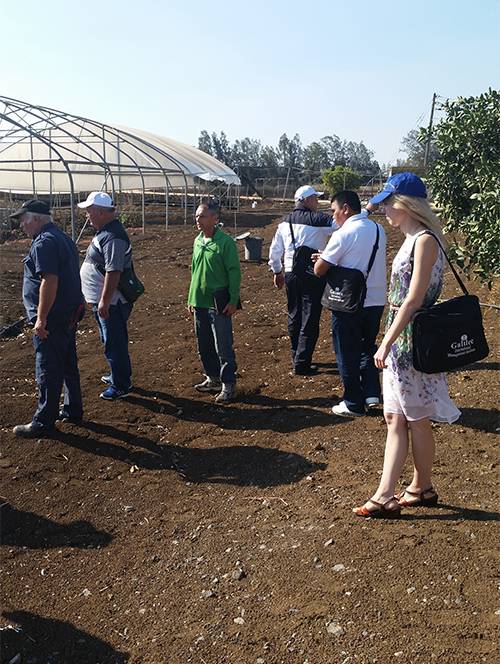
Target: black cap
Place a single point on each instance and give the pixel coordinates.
(37, 207)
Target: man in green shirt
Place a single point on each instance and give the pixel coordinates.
(213, 298)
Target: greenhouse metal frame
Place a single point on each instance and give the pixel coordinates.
(44, 151)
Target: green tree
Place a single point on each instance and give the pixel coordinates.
(339, 178)
(315, 158)
(205, 142)
(465, 181)
(413, 144)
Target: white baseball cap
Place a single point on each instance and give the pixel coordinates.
(100, 198)
(305, 191)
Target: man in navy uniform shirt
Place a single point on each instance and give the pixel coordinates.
(53, 301)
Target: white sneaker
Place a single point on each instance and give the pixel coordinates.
(343, 411)
(212, 385)
(373, 402)
(227, 394)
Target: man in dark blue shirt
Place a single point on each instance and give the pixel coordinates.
(53, 301)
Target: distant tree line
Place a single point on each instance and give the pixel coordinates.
(290, 158)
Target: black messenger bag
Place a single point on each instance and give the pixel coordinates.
(449, 335)
(345, 288)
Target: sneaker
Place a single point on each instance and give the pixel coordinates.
(306, 371)
(212, 385)
(32, 430)
(372, 402)
(64, 416)
(343, 411)
(107, 380)
(227, 394)
(112, 394)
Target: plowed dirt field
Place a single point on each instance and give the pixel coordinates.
(168, 530)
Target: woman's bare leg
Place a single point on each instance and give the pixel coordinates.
(396, 451)
(423, 450)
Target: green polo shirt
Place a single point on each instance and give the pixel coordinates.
(215, 265)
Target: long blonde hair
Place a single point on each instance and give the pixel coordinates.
(420, 210)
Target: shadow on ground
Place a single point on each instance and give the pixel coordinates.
(21, 528)
(480, 419)
(242, 465)
(43, 640)
(279, 415)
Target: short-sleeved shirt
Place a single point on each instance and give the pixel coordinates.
(109, 251)
(52, 252)
(352, 245)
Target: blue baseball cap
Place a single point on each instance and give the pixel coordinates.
(408, 184)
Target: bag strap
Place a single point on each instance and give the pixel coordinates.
(455, 273)
(374, 251)
(291, 232)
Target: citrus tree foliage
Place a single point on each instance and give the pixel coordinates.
(339, 178)
(465, 181)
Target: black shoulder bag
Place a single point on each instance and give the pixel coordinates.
(302, 265)
(345, 288)
(448, 335)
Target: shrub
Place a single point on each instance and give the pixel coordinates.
(465, 181)
(339, 178)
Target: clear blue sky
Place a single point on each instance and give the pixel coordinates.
(362, 70)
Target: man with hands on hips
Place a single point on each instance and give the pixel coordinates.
(53, 301)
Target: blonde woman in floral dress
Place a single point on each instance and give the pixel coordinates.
(411, 398)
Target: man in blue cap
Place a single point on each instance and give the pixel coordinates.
(53, 301)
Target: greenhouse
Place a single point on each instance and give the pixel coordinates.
(46, 152)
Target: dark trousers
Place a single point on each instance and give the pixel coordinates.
(114, 335)
(56, 365)
(354, 338)
(214, 335)
(304, 313)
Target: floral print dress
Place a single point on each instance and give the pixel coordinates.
(409, 392)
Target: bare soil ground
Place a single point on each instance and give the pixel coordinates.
(166, 529)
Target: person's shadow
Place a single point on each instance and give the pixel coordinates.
(21, 528)
(242, 465)
(267, 413)
(45, 640)
(480, 419)
(451, 513)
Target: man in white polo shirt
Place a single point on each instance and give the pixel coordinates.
(354, 334)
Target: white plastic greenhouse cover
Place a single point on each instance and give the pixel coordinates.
(47, 151)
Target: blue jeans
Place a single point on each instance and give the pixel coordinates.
(354, 338)
(114, 335)
(214, 335)
(56, 365)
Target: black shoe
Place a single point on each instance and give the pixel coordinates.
(66, 417)
(306, 371)
(32, 430)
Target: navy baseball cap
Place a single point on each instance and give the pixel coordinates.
(406, 183)
(33, 205)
